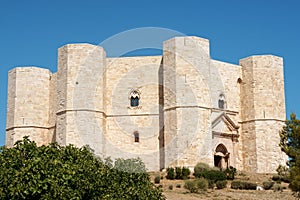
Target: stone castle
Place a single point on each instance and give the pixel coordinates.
(176, 109)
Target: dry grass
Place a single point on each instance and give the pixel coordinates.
(227, 193)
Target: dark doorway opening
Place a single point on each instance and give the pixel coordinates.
(218, 161)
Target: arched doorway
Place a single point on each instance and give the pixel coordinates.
(221, 157)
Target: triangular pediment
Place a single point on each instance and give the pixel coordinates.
(223, 124)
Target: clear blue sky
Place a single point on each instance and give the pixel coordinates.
(31, 31)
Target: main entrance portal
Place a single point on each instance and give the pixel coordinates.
(221, 157)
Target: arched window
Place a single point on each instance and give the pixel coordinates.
(134, 101)
(136, 136)
(222, 102)
(134, 98)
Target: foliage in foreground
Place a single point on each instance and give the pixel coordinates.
(290, 144)
(179, 173)
(268, 185)
(56, 172)
(243, 185)
(196, 185)
(221, 184)
(213, 174)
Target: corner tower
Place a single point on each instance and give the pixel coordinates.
(187, 101)
(80, 81)
(28, 105)
(262, 112)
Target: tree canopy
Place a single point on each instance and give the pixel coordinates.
(67, 172)
(290, 144)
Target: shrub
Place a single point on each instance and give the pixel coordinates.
(230, 173)
(178, 173)
(157, 179)
(215, 168)
(277, 187)
(276, 178)
(28, 171)
(221, 184)
(212, 175)
(236, 185)
(242, 185)
(282, 174)
(202, 184)
(191, 186)
(203, 170)
(178, 185)
(195, 185)
(201, 167)
(170, 173)
(170, 187)
(286, 179)
(283, 171)
(185, 173)
(211, 184)
(268, 185)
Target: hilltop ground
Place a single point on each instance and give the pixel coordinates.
(182, 194)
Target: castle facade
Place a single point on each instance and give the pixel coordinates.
(176, 109)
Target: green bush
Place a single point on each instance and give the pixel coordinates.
(178, 185)
(157, 179)
(221, 184)
(185, 173)
(201, 167)
(170, 187)
(67, 172)
(268, 185)
(202, 184)
(283, 172)
(277, 187)
(286, 179)
(276, 178)
(170, 173)
(230, 173)
(282, 176)
(212, 175)
(203, 170)
(178, 173)
(191, 186)
(211, 184)
(242, 185)
(194, 186)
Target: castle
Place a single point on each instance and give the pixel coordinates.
(176, 109)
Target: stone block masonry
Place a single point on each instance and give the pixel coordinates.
(176, 109)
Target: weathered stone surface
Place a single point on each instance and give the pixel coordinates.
(191, 108)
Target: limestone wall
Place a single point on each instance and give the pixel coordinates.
(10, 107)
(124, 75)
(28, 104)
(88, 102)
(187, 100)
(263, 112)
(80, 95)
(225, 81)
(53, 105)
(269, 154)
